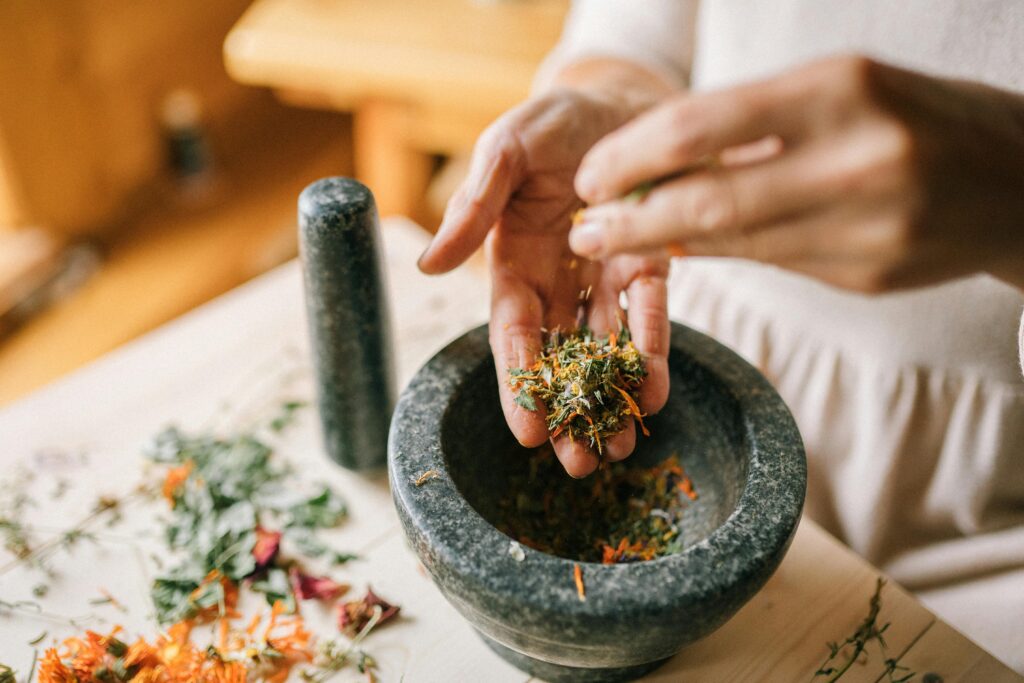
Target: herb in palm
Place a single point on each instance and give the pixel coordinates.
(588, 384)
(624, 513)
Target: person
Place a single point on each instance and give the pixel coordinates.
(846, 182)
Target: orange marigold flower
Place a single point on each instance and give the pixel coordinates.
(53, 670)
(176, 476)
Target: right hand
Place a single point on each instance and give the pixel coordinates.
(519, 196)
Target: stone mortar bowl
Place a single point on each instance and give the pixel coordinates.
(734, 436)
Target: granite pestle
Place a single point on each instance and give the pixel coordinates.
(346, 302)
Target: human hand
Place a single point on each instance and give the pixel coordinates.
(519, 195)
(865, 176)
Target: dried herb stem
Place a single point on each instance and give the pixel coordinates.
(76, 532)
(866, 632)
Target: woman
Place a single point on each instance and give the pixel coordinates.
(873, 220)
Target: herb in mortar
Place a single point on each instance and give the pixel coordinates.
(619, 514)
(587, 384)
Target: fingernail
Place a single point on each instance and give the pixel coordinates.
(421, 261)
(587, 238)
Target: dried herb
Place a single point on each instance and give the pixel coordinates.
(333, 656)
(231, 504)
(16, 532)
(354, 615)
(264, 650)
(623, 513)
(13, 506)
(108, 599)
(856, 644)
(587, 384)
(577, 577)
(425, 477)
(231, 501)
(286, 415)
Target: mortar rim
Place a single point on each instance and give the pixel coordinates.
(711, 569)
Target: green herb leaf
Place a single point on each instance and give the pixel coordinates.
(276, 586)
(524, 399)
(324, 510)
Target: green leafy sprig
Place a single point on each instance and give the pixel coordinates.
(868, 631)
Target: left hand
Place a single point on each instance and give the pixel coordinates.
(863, 175)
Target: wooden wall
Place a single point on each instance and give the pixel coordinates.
(81, 82)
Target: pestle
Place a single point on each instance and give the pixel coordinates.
(350, 340)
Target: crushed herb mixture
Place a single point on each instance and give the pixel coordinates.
(231, 506)
(587, 384)
(619, 514)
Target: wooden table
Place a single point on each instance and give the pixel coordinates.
(422, 78)
(227, 361)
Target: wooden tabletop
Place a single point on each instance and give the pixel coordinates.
(227, 360)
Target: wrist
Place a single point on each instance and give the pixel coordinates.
(622, 87)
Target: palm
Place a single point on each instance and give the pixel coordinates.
(520, 191)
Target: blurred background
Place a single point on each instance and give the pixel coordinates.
(151, 153)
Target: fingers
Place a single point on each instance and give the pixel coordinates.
(576, 457)
(515, 342)
(620, 446)
(684, 132)
(829, 234)
(719, 200)
(579, 459)
(495, 172)
(648, 323)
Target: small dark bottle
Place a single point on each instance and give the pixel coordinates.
(339, 240)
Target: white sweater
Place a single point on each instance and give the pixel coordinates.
(911, 405)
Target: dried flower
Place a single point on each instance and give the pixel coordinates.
(265, 549)
(587, 384)
(355, 614)
(309, 587)
(253, 654)
(176, 476)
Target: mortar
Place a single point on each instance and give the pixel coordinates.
(734, 436)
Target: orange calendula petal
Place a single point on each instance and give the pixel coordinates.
(577, 575)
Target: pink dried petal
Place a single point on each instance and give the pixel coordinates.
(266, 547)
(387, 609)
(309, 587)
